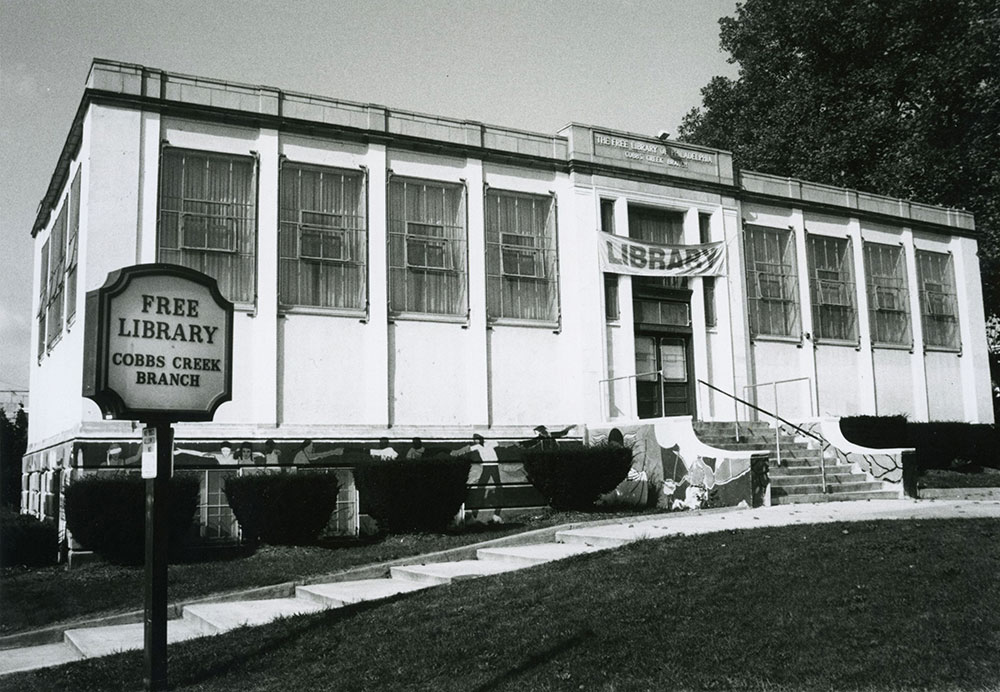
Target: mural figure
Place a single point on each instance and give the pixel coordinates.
(307, 454)
(486, 453)
(416, 450)
(384, 451)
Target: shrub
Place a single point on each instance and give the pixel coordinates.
(282, 509)
(24, 540)
(573, 478)
(107, 514)
(945, 445)
(939, 445)
(412, 495)
(880, 432)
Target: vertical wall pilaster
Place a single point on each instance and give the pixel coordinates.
(807, 355)
(699, 340)
(478, 392)
(265, 322)
(921, 410)
(378, 355)
(149, 184)
(977, 403)
(626, 318)
(866, 366)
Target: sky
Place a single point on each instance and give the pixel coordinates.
(636, 66)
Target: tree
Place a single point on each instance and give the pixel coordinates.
(13, 443)
(895, 97)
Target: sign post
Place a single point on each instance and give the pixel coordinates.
(158, 349)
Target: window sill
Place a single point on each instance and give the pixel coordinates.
(358, 314)
(892, 347)
(943, 349)
(428, 317)
(777, 338)
(851, 343)
(531, 324)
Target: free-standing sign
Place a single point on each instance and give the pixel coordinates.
(159, 343)
(159, 349)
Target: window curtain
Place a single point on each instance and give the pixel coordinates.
(773, 283)
(521, 258)
(207, 218)
(832, 288)
(427, 247)
(938, 304)
(322, 238)
(888, 296)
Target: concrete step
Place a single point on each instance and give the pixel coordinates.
(447, 572)
(528, 555)
(347, 592)
(834, 497)
(101, 641)
(814, 488)
(611, 535)
(804, 470)
(215, 618)
(764, 442)
(34, 657)
(781, 480)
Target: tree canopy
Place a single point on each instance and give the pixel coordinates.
(895, 97)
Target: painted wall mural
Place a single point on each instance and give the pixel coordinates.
(673, 470)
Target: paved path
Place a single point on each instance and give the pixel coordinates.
(203, 619)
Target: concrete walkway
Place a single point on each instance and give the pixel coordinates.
(203, 619)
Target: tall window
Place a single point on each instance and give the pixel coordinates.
(427, 255)
(888, 297)
(57, 277)
(707, 282)
(72, 242)
(322, 237)
(832, 288)
(522, 274)
(938, 305)
(43, 298)
(611, 310)
(662, 226)
(207, 218)
(772, 283)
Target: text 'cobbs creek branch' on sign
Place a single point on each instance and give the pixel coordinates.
(162, 344)
(186, 369)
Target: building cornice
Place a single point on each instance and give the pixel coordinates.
(176, 95)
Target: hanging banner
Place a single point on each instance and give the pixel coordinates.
(620, 255)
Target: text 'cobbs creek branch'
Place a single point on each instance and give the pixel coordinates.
(185, 368)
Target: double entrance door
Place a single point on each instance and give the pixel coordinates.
(664, 370)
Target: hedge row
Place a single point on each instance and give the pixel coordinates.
(573, 478)
(107, 514)
(26, 541)
(282, 509)
(406, 496)
(939, 445)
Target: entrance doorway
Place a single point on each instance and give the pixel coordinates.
(664, 379)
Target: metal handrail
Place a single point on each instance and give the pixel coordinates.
(777, 418)
(608, 380)
(777, 428)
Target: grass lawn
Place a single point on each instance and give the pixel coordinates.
(894, 605)
(938, 478)
(39, 597)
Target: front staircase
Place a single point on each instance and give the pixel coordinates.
(799, 477)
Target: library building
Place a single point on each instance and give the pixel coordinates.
(401, 275)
